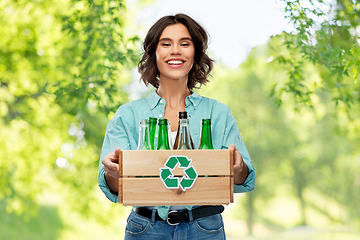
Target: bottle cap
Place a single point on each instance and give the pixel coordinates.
(143, 121)
(152, 120)
(162, 121)
(182, 115)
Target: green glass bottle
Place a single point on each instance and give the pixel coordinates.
(205, 137)
(152, 131)
(183, 138)
(163, 136)
(143, 143)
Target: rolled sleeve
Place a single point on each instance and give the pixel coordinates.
(105, 187)
(232, 136)
(249, 182)
(117, 135)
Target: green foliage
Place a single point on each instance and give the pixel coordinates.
(95, 32)
(64, 66)
(47, 226)
(295, 150)
(329, 39)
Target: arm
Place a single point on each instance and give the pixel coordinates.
(244, 172)
(118, 135)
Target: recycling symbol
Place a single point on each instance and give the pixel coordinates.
(172, 182)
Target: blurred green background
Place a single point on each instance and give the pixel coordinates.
(65, 67)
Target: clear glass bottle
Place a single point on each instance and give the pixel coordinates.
(152, 131)
(163, 135)
(143, 143)
(183, 138)
(205, 135)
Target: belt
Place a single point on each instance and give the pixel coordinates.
(175, 217)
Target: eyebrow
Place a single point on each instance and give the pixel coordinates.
(169, 39)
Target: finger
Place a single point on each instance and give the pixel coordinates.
(237, 157)
(115, 155)
(232, 148)
(117, 152)
(111, 171)
(113, 174)
(111, 166)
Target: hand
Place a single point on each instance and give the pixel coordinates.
(111, 163)
(240, 168)
(111, 168)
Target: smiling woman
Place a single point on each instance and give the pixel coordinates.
(194, 35)
(175, 53)
(174, 62)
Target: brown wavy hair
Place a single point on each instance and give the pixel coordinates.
(203, 64)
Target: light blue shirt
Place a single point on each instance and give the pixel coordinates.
(123, 131)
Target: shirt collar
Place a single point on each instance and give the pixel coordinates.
(194, 99)
(154, 99)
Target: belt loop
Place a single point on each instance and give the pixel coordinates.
(190, 215)
(153, 216)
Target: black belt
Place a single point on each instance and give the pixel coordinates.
(175, 217)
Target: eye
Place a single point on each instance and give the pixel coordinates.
(165, 44)
(186, 44)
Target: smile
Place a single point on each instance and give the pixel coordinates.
(175, 62)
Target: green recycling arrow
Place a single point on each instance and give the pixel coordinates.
(171, 182)
(171, 162)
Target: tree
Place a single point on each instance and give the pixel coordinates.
(64, 67)
(290, 149)
(328, 37)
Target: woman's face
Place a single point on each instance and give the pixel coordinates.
(175, 53)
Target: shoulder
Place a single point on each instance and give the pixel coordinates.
(132, 107)
(128, 113)
(214, 104)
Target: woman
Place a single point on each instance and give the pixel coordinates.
(174, 62)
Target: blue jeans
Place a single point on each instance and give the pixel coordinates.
(207, 228)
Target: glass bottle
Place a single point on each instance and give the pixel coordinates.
(163, 135)
(143, 143)
(205, 135)
(152, 131)
(183, 139)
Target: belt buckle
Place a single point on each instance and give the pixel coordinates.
(167, 218)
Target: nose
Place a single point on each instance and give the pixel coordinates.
(175, 50)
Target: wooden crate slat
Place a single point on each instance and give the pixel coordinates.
(152, 192)
(120, 191)
(232, 178)
(147, 163)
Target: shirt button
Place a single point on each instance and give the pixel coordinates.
(160, 116)
(152, 106)
(194, 104)
(161, 101)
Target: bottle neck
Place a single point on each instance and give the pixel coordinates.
(205, 138)
(143, 143)
(184, 140)
(163, 138)
(152, 131)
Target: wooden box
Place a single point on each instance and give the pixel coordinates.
(145, 177)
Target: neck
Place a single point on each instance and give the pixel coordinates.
(174, 93)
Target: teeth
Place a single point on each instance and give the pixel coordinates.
(175, 62)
